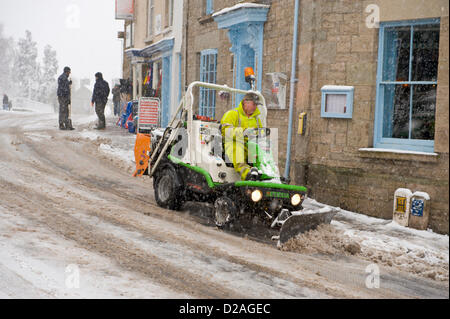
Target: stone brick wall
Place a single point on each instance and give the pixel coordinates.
(336, 48)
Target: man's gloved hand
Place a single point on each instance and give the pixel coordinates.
(253, 175)
(251, 132)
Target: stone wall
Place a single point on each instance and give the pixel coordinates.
(337, 48)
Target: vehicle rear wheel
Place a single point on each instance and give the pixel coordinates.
(168, 192)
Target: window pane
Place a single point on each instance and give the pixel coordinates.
(336, 103)
(396, 111)
(424, 109)
(207, 74)
(425, 52)
(396, 54)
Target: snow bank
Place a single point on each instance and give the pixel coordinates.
(420, 252)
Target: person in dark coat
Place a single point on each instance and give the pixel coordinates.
(116, 99)
(100, 98)
(5, 102)
(64, 86)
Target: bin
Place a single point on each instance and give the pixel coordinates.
(420, 211)
(402, 200)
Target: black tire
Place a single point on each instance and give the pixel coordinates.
(225, 212)
(168, 190)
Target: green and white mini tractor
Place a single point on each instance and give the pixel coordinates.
(188, 163)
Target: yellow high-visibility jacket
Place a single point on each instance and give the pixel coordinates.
(238, 121)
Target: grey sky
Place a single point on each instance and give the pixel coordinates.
(83, 32)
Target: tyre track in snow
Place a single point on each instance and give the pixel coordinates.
(181, 237)
(52, 214)
(127, 255)
(257, 272)
(303, 271)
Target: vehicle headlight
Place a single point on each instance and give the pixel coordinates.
(257, 195)
(296, 199)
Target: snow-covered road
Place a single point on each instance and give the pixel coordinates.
(75, 224)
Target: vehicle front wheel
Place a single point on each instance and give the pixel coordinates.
(168, 192)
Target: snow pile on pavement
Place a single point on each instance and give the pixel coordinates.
(326, 239)
(120, 155)
(384, 242)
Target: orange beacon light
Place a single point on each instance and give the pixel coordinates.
(249, 71)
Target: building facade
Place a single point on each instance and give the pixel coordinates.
(389, 59)
(371, 78)
(152, 52)
(377, 112)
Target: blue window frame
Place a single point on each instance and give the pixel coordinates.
(208, 73)
(408, 59)
(209, 6)
(337, 102)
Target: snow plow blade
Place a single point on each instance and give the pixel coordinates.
(302, 222)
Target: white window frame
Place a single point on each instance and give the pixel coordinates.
(169, 13)
(150, 18)
(128, 35)
(397, 143)
(207, 95)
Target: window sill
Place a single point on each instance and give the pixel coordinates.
(166, 31)
(401, 155)
(205, 19)
(276, 109)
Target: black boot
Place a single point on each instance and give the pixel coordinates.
(69, 126)
(100, 126)
(62, 126)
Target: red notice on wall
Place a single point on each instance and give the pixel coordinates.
(148, 113)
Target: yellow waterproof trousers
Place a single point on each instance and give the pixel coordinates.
(237, 152)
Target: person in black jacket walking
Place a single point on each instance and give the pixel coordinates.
(5, 102)
(116, 99)
(63, 93)
(100, 98)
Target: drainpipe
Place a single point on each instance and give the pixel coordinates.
(292, 91)
(186, 28)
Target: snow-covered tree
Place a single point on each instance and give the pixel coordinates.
(6, 63)
(26, 70)
(48, 76)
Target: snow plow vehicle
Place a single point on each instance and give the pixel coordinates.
(187, 163)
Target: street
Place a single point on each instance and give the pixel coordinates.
(70, 207)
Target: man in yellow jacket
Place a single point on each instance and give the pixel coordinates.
(234, 123)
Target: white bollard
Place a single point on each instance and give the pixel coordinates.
(402, 200)
(420, 211)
